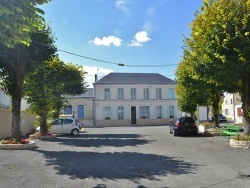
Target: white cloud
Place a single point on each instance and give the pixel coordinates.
(151, 10)
(122, 5)
(107, 41)
(139, 38)
(91, 71)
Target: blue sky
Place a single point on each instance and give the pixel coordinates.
(136, 33)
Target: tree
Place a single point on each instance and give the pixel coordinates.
(220, 37)
(16, 63)
(59, 79)
(18, 20)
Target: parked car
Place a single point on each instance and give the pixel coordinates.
(65, 125)
(183, 125)
(222, 117)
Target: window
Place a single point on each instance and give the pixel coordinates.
(158, 93)
(170, 93)
(120, 112)
(107, 94)
(226, 101)
(133, 93)
(146, 93)
(158, 112)
(107, 113)
(68, 109)
(144, 112)
(226, 112)
(68, 121)
(171, 111)
(120, 94)
(57, 122)
(231, 101)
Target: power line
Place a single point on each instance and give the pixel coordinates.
(104, 61)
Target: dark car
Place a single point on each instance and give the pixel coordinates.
(222, 117)
(183, 125)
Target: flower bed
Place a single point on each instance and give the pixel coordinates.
(38, 135)
(12, 144)
(240, 141)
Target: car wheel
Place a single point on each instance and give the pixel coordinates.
(74, 132)
(175, 134)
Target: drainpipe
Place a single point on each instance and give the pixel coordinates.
(95, 100)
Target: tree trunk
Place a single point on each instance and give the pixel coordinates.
(245, 99)
(16, 112)
(216, 114)
(57, 106)
(43, 124)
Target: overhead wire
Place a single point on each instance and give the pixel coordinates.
(104, 61)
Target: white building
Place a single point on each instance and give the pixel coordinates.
(231, 107)
(81, 107)
(5, 100)
(134, 99)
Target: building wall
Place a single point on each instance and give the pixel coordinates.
(5, 123)
(88, 104)
(127, 103)
(5, 100)
(231, 107)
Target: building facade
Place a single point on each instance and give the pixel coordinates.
(123, 99)
(81, 107)
(231, 107)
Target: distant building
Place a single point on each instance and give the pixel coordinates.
(231, 107)
(122, 99)
(5, 100)
(81, 107)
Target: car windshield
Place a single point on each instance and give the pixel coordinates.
(187, 120)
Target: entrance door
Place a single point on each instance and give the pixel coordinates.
(133, 114)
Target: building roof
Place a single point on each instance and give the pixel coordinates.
(135, 78)
(88, 94)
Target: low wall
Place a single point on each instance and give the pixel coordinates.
(5, 123)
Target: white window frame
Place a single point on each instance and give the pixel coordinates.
(144, 112)
(107, 113)
(158, 93)
(120, 112)
(120, 93)
(146, 93)
(107, 93)
(133, 93)
(171, 111)
(158, 112)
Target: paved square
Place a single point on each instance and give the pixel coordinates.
(135, 157)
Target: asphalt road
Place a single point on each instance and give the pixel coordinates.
(129, 157)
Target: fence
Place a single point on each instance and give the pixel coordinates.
(5, 123)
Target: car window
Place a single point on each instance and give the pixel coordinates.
(68, 121)
(57, 122)
(187, 120)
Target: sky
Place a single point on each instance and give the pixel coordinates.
(145, 36)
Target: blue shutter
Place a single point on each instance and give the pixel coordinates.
(117, 112)
(80, 111)
(104, 113)
(124, 113)
(110, 112)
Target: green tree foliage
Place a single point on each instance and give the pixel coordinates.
(46, 95)
(19, 18)
(220, 39)
(16, 63)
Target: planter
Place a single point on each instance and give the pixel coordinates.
(239, 144)
(30, 145)
(33, 136)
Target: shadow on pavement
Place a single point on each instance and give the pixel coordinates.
(117, 165)
(101, 140)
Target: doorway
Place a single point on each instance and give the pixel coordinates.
(133, 114)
